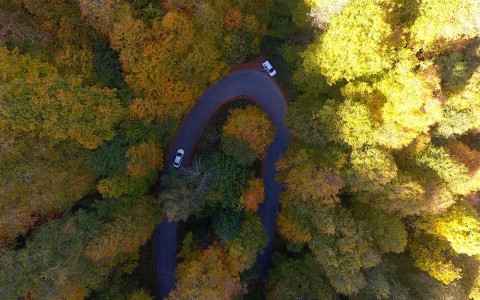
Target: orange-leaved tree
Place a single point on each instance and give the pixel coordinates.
(254, 194)
(252, 126)
(207, 275)
(143, 159)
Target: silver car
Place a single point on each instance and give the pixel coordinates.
(178, 158)
(267, 67)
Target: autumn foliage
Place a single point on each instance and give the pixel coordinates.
(143, 158)
(207, 276)
(252, 126)
(253, 195)
(380, 181)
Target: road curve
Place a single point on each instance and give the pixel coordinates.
(262, 90)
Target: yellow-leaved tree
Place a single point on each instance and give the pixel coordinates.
(36, 99)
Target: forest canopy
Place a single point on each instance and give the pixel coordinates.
(381, 180)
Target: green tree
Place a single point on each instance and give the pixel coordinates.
(133, 224)
(386, 230)
(383, 282)
(238, 149)
(184, 193)
(59, 269)
(123, 184)
(345, 253)
(228, 224)
(297, 279)
(109, 159)
(243, 249)
(228, 180)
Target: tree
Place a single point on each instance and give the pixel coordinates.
(341, 245)
(321, 127)
(242, 251)
(354, 125)
(55, 11)
(454, 174)
(184, 50)
(207, 276)
(311, 182)
(180, 203)
(405, 120)
(293, 220)
(432, 255)
(322, 12)
(386, 230)
(238, 149)
(103, 16)
(409, 195)
(107, 66)
(59, 269)
(39, 182)
(445, 21)
(298, 279)
(475, 291)
(459, 225)
(228, 180)
(140, 294)
(132, 226)
(465, 155)
(422, 286)
(462, 110)
(53, 107)
(19, 31)
(233, 19)
(383, 282)
(253, 195)
(371, 169)
(54, 262)
(358, 44)
(228, 224)
(122, 184)
(252, 126)
(109, 159)
(185, 193)
(454, 71)
(345, 253)
(144, 158)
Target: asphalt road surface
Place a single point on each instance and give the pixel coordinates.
(262, 90)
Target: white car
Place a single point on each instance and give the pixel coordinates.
(178, 158)
(267, 67)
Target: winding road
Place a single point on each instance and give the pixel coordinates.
(262, 90)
